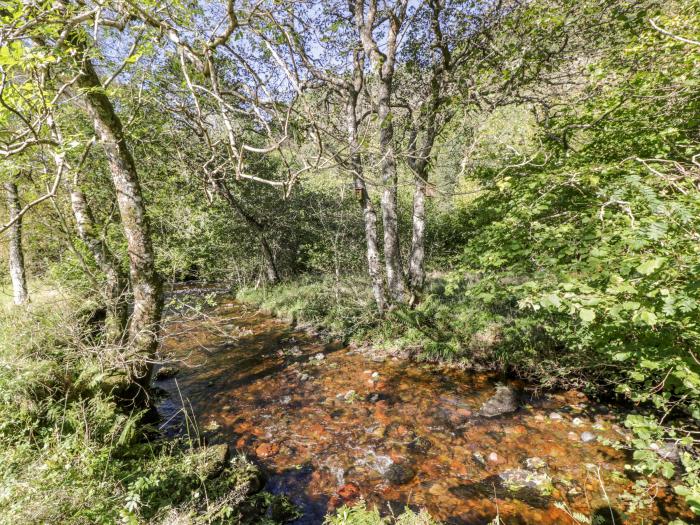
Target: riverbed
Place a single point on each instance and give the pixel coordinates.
(332, 424)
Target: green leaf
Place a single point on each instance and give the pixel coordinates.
(586, 315)
(650, 265)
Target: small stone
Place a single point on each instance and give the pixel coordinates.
(378, 358)
(493, 457)
(285, 400)
(399, 473)
(555, 416)
(349, 492)
(319, 357)
(535, 463)
(667, 451)
(166, 372)
(504, 401)
(375, 375)
(587, 437)
(479, 458)
(420, 445)
(577, 421)
(266, 450)
(572, 436)
(374, 398)
(349, 395)
(517, 479)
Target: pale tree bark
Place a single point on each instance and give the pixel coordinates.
(418, 161)
(384, 65)
(145, 281)
(116, 283)
(368, 213)
(20, 295)
(349, 89)
(421, 148)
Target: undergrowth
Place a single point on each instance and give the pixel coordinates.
(70, 454)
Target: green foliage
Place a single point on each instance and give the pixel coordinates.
(344, 308)
(70, 454)
(359, 514)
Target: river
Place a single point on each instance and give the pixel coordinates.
(331, 424)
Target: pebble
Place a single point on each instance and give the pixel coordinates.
(573, 436)
(535, 463)
(319, 357)
(285, 400)
(493, 457)
(375, 375)
(349, 395)
(587, 437)
(577, 422)
(555, 416)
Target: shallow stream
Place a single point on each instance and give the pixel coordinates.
(331, 424)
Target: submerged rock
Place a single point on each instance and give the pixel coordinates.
(166, 372)
(420, 445)
(399, 473)
(266, 450)
(535, 463)
(504, 401)
(587, 437)
(516, 479)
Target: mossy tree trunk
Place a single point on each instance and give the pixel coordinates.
(145, 281)
(20, 295)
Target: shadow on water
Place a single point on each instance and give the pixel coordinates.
(606, 516)
(324, 421)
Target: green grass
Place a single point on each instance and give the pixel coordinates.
(344, 309)
(445, 327)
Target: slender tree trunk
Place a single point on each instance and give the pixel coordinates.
(416, 261)
(145, 281)
(418, 162)
(17, 274)
(368, 214)
(116, 282)
(269, 259)
(390, 220)
(365, 15)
